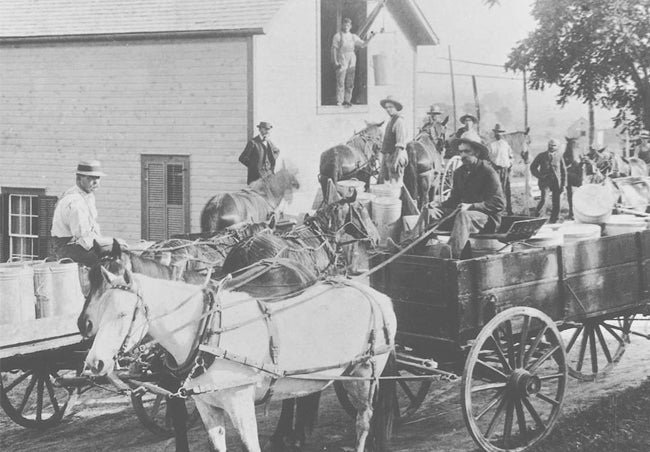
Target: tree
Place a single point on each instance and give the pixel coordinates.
(595, 50)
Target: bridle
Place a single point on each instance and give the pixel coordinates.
(139, 307)
(370, 156)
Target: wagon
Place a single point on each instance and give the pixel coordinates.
(40, 375)
(514, 326)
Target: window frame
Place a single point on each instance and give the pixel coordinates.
(8, 235)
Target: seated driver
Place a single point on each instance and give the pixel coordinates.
(476, 195)
(74, 225)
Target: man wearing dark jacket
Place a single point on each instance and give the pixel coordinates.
(260, 154)
(476, 193)
(550, 171)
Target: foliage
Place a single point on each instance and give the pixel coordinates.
(595, 50)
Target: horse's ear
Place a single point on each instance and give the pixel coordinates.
(97, 248)
(128, 277)
(379, 124)
(527, 131)
(116, 251)
(108, 276)
(352, 198)
(272, 221)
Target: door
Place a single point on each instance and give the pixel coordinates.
(165, 196)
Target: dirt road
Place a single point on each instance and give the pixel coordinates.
(103, 422)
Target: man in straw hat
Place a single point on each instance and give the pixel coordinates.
(393, 148)
(260, 154)
(502, 158)
(74, 225)
(476, 196)
(549, 169)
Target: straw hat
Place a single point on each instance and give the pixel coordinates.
(468, 116)
(90, 168)
(392, 100)
(473, 140)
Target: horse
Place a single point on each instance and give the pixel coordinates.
(357, 158)
(254, 203)
(255, 350)
(425, 162)
(314, 243)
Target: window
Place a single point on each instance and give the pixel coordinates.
(332, 13)
(26, 222)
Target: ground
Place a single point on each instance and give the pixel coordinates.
(610, 414)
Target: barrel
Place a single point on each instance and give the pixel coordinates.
(386, 190)
(17, 301)
(593, 204)
(386, 214)
(58, 289)
(366, 201)
(346, 188)
(624, 224)
(575, 232)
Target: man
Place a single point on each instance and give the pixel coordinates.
(393, 148)
(74, 225)
(549, 169)
(502, 158)
(642, 146)
(476, 194)
(469, 123)
(344, 45)
(436, 128)
(260, 154)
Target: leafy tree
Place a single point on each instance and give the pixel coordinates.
(595, 50)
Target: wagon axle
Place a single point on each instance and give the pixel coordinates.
(524, 383)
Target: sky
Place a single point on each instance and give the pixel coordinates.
(476, 32)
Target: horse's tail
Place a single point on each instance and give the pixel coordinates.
(209, 216)
(384, 407)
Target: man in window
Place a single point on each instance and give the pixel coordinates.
(344, 45)
(260, 154)
(393, 148)
(74, 225)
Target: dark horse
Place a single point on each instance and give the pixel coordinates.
(425, 163)
(254, 203)
(357, 158)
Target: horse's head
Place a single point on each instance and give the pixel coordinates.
(373, 135)
(284, 182)
(115, 314)
(345, 216)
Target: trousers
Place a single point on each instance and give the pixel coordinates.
(345, 78)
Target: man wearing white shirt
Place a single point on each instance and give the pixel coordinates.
(74, 226)
(344, 46)
(502, 158)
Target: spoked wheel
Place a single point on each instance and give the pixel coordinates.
(410, 395)
(151, 410)
(594, 346)
(447, 177)
(514, 380)
(31, 398)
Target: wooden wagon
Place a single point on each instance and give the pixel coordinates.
(514, 325)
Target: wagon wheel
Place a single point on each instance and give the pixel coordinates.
(31, 398)
(447, 177)
(151, 410)
(410, 395)
(514, 380)
(594, 346)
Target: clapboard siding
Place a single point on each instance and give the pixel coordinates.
(116, 101)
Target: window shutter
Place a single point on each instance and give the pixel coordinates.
(175, 197)
(46, 205)
(4, 215)
(155, 188)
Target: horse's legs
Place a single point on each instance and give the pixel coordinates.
(214, 420)
(361, 394)
(306, 417)
(178, 412)
(285, 425)
(569, 197)
(240, 406)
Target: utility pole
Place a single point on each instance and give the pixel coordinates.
(453, 88)
(477, 105)
(525, 102)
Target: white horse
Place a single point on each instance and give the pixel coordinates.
(287, 348)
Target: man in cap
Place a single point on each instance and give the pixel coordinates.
(260, 154)
(476, 195)
(502, 158)
(344, 45)
(393, 147)
(549, 169)
(469, 123)
(74, 225)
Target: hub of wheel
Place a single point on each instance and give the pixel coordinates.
(525, 383)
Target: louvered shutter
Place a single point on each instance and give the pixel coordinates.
(175, 199)
(45, 209)
(155, 201)
(4, 218)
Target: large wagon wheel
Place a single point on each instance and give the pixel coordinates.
(151, 410)
(410, 395)
(594, 346)
(514, 380)
(31, 398)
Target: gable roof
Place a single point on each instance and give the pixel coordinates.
(41, 18)
(20, 19)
